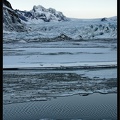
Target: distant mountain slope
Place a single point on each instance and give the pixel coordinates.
(41, 13)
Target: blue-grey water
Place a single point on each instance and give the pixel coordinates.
(92, 107)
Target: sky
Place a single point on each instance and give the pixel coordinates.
(72, 8)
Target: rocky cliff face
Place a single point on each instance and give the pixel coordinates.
(11, 21)
(6, 3)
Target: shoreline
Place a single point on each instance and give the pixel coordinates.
(51, 97)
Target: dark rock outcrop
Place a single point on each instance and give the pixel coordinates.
(62, 37)
(104, 19)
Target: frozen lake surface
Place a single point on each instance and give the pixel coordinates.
(76, 54)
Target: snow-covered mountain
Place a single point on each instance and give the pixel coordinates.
(39, 13)
(42, 23)
(11, 20)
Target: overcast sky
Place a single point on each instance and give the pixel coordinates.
(72, 8)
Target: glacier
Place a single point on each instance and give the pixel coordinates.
(73, 29)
